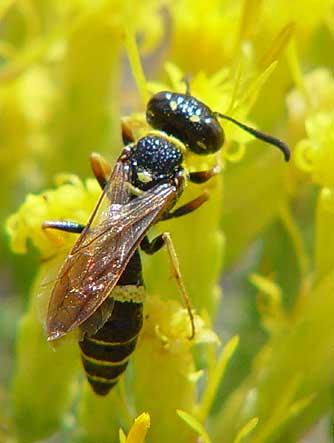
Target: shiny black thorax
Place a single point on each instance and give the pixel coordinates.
(155, 160)
(187, 119)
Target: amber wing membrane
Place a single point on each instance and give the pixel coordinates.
(101, 253)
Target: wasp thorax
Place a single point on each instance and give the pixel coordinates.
(187, 119)
(154, 159)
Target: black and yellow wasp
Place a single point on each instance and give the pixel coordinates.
(100, 286)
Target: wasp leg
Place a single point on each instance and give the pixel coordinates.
(101, 169)
(150, 247)
(127, 134)
(154, 246)
(188, 207)
(203, 176)
(67, 226)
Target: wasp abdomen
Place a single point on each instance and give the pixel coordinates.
(105, 355)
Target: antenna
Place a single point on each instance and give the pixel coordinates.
(260, 135)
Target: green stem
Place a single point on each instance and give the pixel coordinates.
(296, 238)
(136, 66)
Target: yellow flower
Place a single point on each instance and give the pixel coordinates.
(138, 430)
(72, 200)
(164, 351)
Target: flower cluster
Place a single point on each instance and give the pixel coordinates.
(261, 364)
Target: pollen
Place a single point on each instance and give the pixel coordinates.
(173, 105)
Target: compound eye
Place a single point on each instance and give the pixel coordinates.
(209, 138)
(156, 108)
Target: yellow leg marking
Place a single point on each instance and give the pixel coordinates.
(103, 379)
(105, 362)
(179, 280)
(111, 344)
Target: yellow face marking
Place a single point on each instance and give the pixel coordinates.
(194, 118)
(173, 105)
(202, 146)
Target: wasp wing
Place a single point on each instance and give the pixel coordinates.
(103, 250)
(116, 191)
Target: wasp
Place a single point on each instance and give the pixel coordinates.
(100, 287)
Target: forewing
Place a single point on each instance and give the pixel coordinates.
(62, 302)
(99, 257)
